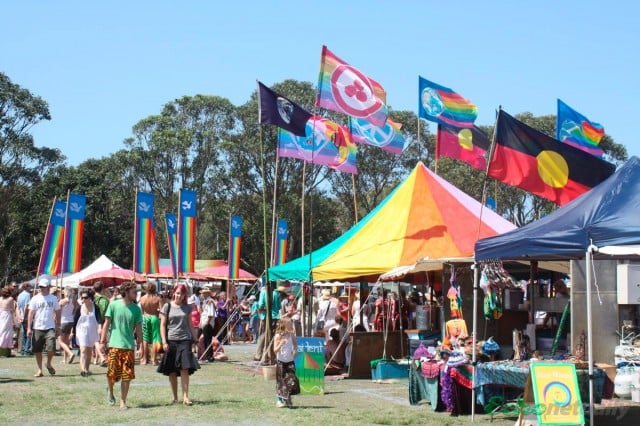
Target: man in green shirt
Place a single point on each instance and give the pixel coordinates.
(122, 319)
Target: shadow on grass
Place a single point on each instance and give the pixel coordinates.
(14, 380)
(310, 407)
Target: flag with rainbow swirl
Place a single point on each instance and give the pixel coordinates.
(442, 105)
(282, 241)
(74, 230)
(172, 238)
(187, 223)
(326, 144)
(51, 255)
(576, 130)
(235, 242)
(387, 137)
(145, 250)
(343, 88)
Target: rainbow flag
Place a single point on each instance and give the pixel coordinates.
(144, 243)
(235, 241)
(327, 144)
(343, 88)
(74, 230)
(154, 266)
(51, 255)
(282, 239)
(442, 105)
(576, 130)
(187, 224)
(387, 137)
(172, 239)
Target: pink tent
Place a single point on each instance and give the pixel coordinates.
(222, 273)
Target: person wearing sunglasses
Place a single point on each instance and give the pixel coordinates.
(86, 330)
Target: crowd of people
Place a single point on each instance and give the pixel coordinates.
(176, 331)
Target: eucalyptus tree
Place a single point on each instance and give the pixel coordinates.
(22, 164)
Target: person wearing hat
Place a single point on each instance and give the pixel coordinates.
(327, 311)
(44, 325)
(254, 319)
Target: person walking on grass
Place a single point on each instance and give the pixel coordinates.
(86, 330)
(178, 334)
(150, 303)
(123, 320)
(101, 302)
(285, 346)
(44, 325)
(68, 306)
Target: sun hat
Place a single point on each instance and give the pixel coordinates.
(205, 290)
(44, 282)
(282, 289)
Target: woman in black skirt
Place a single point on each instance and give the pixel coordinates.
(178, 333)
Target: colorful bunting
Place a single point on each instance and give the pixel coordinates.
(528, 159)
(442, 105)
(277, 110)
(331, 145)
(74, 230)
(342, 88)
(187, 223)
(466, 144)
(51, 255)
(387, 137)
(235, 242)
(282, 238)
(576, 130)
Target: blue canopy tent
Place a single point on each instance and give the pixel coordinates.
(602, 223)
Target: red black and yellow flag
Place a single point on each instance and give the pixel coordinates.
(466, 144)
(530, 160)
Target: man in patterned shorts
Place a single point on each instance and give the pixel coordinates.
(123, 318)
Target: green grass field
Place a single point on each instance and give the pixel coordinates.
(233, 392)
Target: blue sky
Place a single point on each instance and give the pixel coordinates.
(103, 66)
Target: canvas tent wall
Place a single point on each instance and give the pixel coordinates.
(424, 216)
(73, 280)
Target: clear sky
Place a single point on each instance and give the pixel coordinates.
(104, 65)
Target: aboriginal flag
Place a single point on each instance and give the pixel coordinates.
(468, 145)
(530, 160)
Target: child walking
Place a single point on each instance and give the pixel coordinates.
(285, 347)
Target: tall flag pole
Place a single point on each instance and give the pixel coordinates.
(145, 261)
(74, 230)
(172, 239)
(187, 223)
(281, 242)
(51, 254)
(576, 130)
(235, 242)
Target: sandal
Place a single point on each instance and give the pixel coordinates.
(51, 370)
(187, 402)
(38, 374)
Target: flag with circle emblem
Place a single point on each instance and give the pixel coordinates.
(343, 88)
(466, 144)
(530, 160)
(387, 138)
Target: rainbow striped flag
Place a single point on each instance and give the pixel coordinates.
(576, 130)
(442, 105)
(172, 239)
(327, 144)
(74, 230)
(280, 255)
(343, 88)
(235, 241)
(187, 224)
(145, 250)
(51, 255)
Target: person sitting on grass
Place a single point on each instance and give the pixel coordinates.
(334, 354)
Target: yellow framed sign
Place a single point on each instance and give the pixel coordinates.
(556, 394)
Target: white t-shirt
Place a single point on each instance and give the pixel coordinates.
(44, 309)
(208, 310)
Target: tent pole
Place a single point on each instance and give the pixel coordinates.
(589, 266)
(476, 282)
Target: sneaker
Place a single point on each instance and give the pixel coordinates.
(280, 404)
(111, 400)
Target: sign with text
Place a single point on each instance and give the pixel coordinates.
(310, 365)
(556, 394)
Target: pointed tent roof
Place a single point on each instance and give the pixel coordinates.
(424, 216)
(605, 216)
